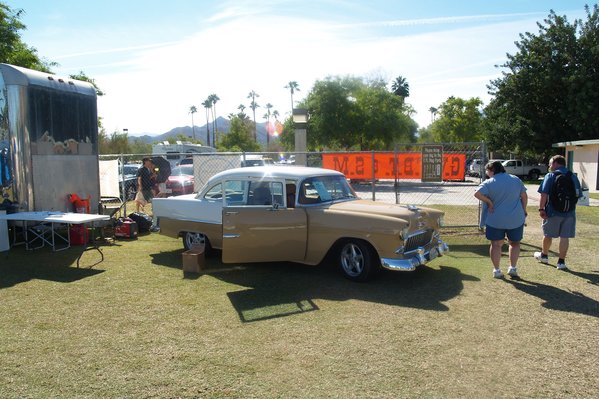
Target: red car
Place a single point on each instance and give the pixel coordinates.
(180, 181)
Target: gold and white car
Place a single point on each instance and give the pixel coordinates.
(301, 214)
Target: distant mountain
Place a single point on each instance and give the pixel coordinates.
(222, 125)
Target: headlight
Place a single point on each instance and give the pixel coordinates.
(441, 221)
(404, 232)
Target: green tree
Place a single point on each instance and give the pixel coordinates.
(459, 120)
(253, 106)
(213, 99)
(400, 87)
(425, 135)
(239, 137)
(83, 77)
(12, 49)
(192, 110)
(293, 86)
(550, 90)
(207, 104)
(433, 111)
(350, 113)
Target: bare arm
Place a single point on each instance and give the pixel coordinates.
(524, 200)
(542, 205)
(481, 197)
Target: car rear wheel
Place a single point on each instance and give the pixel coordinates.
(357, 260)
(533, 175)
(190, 239)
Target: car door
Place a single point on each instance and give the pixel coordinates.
(257, 230)
(512, 167)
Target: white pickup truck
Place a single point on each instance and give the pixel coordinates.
(522, 169)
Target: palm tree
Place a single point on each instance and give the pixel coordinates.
(400, 87)
(275, 115)
(293, 87)
(241, 109)
(253, 106)
(207, 104)
(433, 112)
(268, 107)
(214, 98)
(193, 110)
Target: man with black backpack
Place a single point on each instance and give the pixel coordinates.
(559, 191)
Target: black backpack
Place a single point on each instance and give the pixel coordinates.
(144, 221)
(563, 196)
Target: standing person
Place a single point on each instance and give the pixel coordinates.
(145, 181)
(559, 191)
(505, 198)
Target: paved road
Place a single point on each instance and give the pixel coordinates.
(446, 193)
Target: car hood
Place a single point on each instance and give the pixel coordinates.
(381, 208)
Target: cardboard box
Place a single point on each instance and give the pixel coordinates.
(194, 260)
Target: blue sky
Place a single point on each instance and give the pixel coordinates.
(155, 59)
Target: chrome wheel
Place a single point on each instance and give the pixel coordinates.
(191, 239)
(355, 259)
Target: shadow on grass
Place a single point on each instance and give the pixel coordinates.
(459, 251)
(592, 278)
(280, 289)
(283, 289)
(44, 264)
(558, 299)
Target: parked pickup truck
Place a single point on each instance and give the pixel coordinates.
(522, 169)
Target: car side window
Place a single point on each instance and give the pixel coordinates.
(309, 193)
(214, 193)
(236, 192)
(266, 193)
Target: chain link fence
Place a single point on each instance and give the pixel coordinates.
(425, 175)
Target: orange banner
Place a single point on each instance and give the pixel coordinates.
(407, 165)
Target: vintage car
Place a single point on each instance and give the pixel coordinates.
(304, 215)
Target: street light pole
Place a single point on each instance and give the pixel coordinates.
(300, 123)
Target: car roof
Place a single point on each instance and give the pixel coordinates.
(283, 172)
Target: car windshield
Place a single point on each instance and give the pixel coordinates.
(319, 189)
(182, 170)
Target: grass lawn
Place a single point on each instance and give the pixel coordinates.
(133, 326)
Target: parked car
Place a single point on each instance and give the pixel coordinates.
(476, 168)
(129, 177)
(180, 181)
(522, 169)
(255, 160)
(301, 214)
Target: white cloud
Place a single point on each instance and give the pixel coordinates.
(263, 53)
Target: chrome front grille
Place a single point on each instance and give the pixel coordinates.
(419, 239)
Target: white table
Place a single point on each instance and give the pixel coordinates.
(43, 226)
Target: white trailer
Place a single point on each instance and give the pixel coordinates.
(175, 153)
(48, 141)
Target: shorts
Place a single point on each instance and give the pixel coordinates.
(560, 227)
(495, 234)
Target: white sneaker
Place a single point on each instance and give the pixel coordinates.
(512, 271)
(539, 256)
(497, 273)
(561, 266)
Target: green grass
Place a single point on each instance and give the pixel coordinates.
(134, 326)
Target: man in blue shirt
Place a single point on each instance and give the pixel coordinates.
(556, 224)
(505, 199)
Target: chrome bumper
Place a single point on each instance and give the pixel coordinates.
(415, 258)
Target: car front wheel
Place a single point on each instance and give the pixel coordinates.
(357, 260)
(190, 239)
